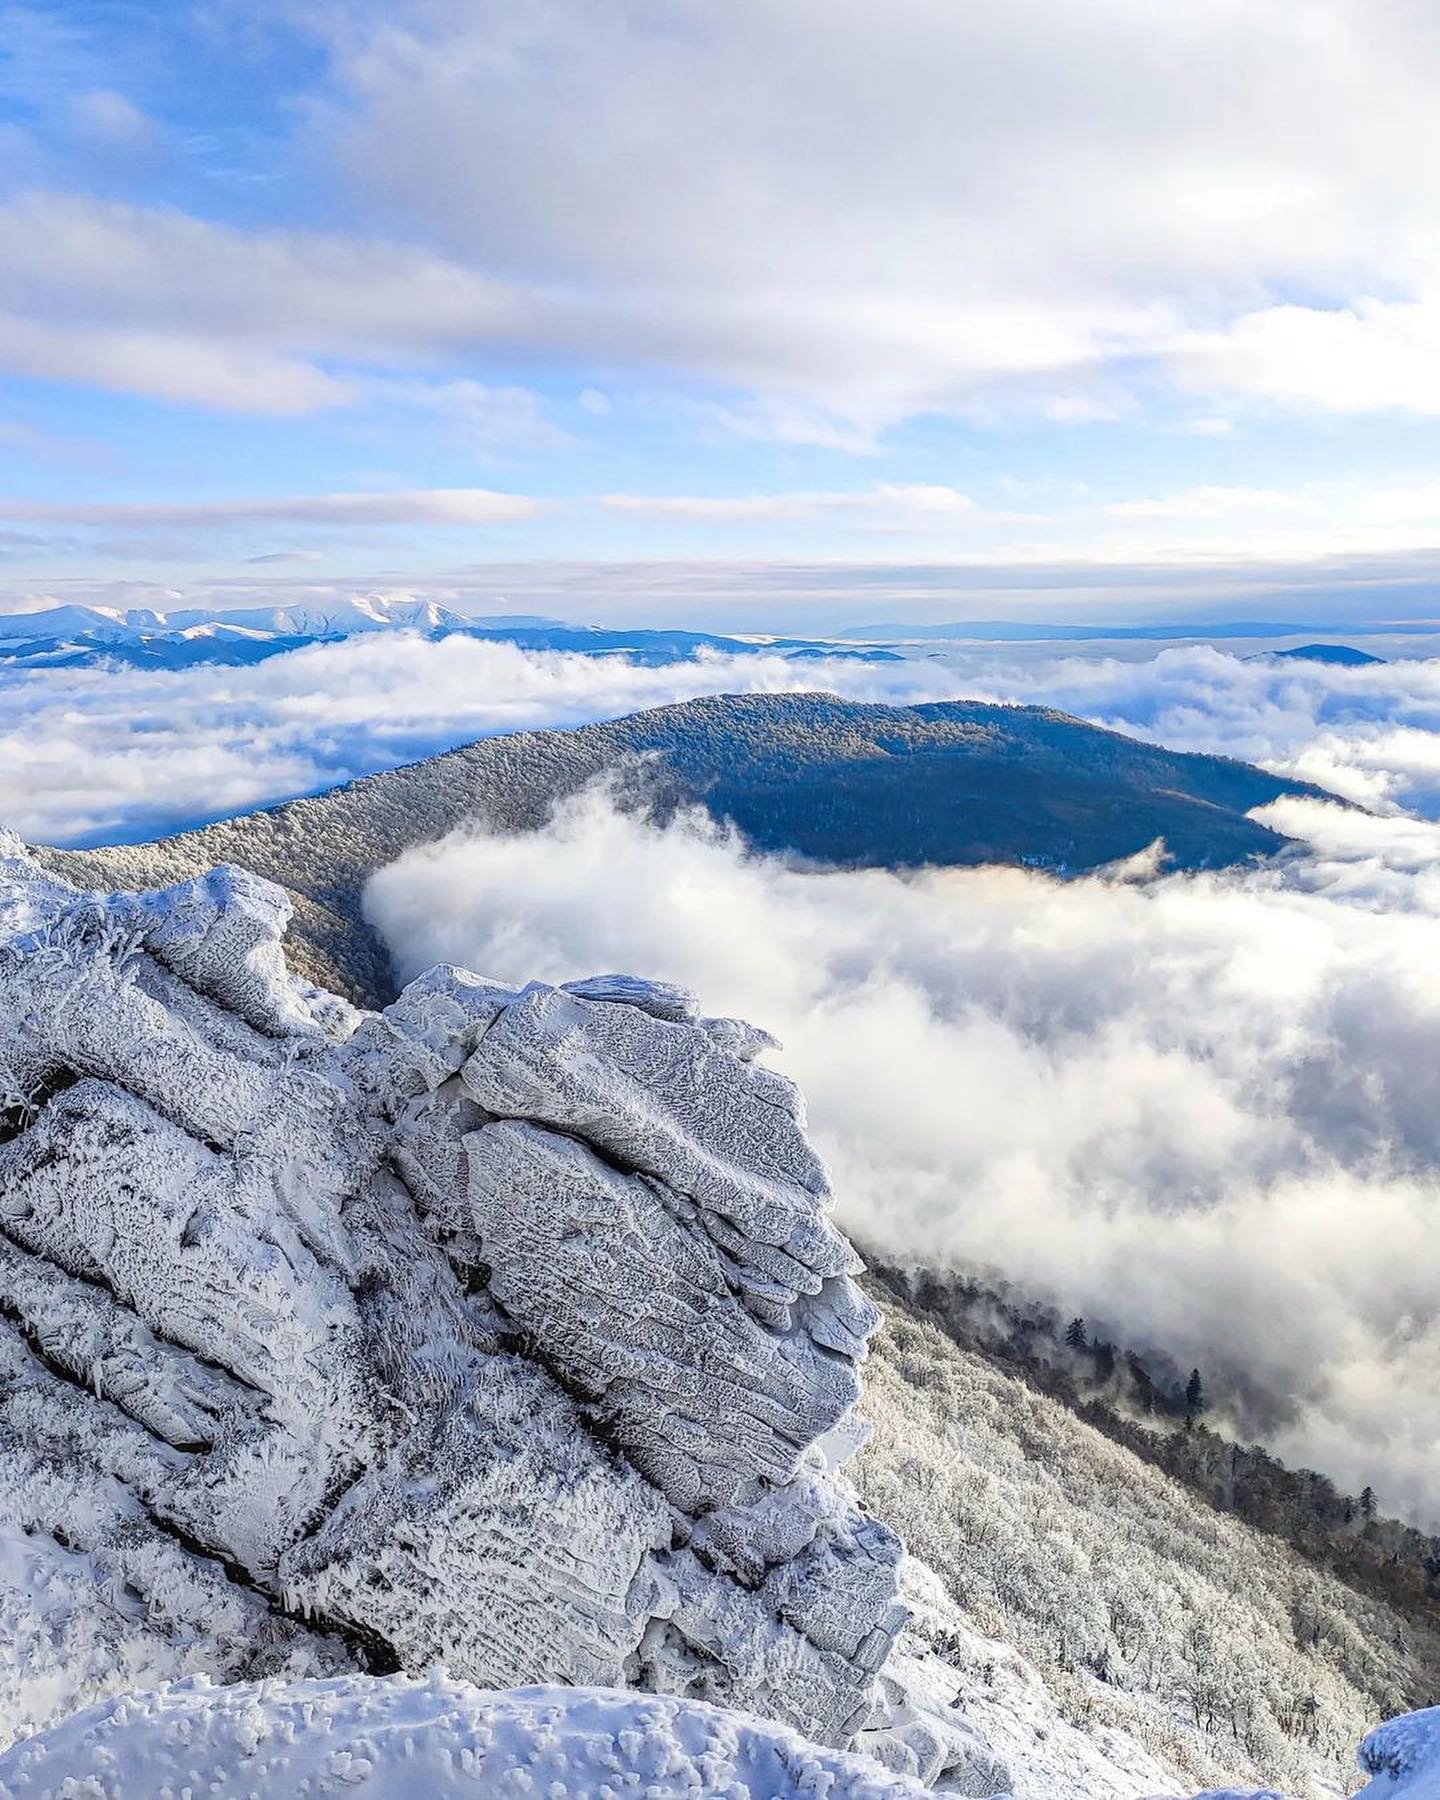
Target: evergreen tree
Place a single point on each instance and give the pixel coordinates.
(1075, 1336)
(1144, 1386)
(1368, 1503)
(1194, 1394)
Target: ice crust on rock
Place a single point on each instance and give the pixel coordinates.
(501, 1329)
(398, 1739)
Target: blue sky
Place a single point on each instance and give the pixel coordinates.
(1080, 310)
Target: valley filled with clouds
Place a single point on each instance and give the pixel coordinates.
(1198, 1111)
(100, 756)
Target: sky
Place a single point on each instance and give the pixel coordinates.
(748, 314)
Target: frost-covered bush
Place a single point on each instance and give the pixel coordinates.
(1140, 1609)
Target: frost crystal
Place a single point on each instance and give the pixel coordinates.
(500, 1329)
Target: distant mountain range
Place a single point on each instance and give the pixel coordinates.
(834, 781)
(81, 637)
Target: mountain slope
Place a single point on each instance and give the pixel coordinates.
(840, 782)
(1070, 1579)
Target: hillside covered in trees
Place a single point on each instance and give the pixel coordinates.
(837, 782)
(1171, 1419)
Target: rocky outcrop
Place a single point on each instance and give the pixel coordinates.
(504, 1329)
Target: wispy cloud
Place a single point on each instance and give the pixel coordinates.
(883, 506)
(432, 506)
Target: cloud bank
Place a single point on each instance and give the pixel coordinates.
(947, 206)
(1202, 1111)
(1371, 734)
(95, 756)
(98, 756)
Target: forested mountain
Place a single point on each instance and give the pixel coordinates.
(839, 782)
(1075, 1592)
(1181, 1421)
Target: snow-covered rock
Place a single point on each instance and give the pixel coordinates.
(399, 1739)
(1402, 1758)
(503, 1329)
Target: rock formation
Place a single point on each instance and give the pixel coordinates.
(501, 1329)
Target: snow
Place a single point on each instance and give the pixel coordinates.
(505, 1329)
(397, 1739)
(361, 612)
(1402, 1758)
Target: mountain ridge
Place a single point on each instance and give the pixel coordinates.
(840, 783)
(72, 636)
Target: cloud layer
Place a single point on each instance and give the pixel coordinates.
(99, 756)
(1371, 734)
(835, 217)
(96, 756)
(1201, 1111)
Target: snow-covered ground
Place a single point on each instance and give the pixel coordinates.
(400, 1739)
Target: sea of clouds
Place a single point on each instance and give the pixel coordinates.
(101, 756)
(1201, 1110)
(106, 756)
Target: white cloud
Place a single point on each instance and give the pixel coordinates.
(1193, 1110)
(1371, 734)
(946, 196)
(951, 208)
(1210, 503)
(489, 421)
(196, 369)
(434, 506)
(150, 300)
(1363, 357)
(885, 505)
(111, 118)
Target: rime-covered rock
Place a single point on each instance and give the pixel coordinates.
(504, 1329)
